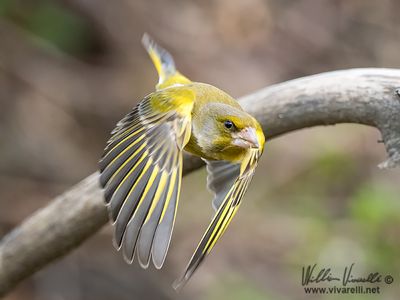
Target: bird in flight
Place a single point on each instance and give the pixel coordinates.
(141, 168)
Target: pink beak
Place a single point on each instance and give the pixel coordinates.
(247, 138)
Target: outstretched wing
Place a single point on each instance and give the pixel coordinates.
(221, 177)
(227, 201)
(141, 172)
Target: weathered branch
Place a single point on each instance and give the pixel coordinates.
(364, 96)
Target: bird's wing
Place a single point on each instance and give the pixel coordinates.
(221, 177)
(231, 199)
(164, 64)
(141, 172)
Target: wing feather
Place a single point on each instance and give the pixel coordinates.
(149, 227)
(141, 171)
(136, 221)
(130, 203)
(163, 233)
(227, 209)
(220, 179)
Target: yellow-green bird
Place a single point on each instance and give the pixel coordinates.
(141, 168)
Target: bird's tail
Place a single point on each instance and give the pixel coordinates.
(164, 64)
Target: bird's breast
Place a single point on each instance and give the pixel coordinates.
(234, 154)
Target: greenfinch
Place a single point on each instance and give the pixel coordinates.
(141, 168)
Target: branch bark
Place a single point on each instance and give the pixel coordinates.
(364, 96)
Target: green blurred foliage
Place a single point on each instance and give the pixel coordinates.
(375, 208)
(328, 176)
(52, 23)
(235, 287)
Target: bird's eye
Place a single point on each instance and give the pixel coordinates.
(228, 124)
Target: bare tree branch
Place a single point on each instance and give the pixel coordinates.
(364, 96)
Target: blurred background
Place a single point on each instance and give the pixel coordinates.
(69, 70)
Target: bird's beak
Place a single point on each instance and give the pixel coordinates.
(247, 138)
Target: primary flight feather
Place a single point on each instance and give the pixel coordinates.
(141, 168)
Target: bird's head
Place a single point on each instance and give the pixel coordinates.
(231, 131)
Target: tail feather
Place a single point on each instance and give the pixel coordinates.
(164, 64)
